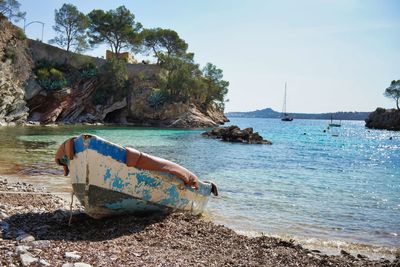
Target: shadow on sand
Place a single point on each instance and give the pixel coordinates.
(54, 225)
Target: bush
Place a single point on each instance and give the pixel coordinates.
(20, 35)
(115, 83)
(157, 98)
(141, 76)
(88, 70)
(50, 78)
(9, 53)
(42, 73)
(56, 74)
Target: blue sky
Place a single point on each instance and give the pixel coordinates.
(335, 55)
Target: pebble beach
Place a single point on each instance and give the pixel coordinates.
(37, 229)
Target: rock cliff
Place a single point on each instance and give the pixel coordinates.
(15, 69)
(23, 98)
(381, 118)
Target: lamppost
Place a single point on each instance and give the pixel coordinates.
(36, 21)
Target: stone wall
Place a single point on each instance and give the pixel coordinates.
(41, 51)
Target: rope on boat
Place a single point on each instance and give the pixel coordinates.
(34, 193)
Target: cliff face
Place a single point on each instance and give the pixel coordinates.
(169, 114)
(23, 99)
(381, 118)
(15, 69)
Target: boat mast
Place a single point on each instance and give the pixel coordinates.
(284, 103)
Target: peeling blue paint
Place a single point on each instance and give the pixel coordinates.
(132, 205)
(204, 189)
(173, 199)
(118, 183)
(78, 145)
(147, 181)
(107, 175)
(108, 149)
(147, 195)
(119, 153)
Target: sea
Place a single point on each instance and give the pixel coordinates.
(326, 188)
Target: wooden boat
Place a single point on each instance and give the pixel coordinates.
(285, 116)
(109, 179)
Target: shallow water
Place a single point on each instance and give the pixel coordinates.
(323, 190)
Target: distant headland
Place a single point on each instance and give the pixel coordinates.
(270, 113)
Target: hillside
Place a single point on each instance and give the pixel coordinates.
(43, 84)
(270, 113)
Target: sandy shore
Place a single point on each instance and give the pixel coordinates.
(35, 231)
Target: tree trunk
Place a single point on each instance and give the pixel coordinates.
(397, 103)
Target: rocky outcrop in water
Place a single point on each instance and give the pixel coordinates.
(235, 134)
(15, 69)
(381, 118)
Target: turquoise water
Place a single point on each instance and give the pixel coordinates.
(320, 189)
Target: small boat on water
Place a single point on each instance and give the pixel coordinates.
(285, 116)
(332, 124)
(109, 179)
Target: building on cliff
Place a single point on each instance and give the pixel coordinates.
(126, 56)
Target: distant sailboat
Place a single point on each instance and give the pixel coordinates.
(335, 124)
(285, 116)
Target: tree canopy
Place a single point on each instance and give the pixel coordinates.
(183, 80)
(117, 28)
(70, 26)
(180, 78)
(393, 91)
(162, 41)
(216, 87)
(10, 9)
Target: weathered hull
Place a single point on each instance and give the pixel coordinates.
(106, 186)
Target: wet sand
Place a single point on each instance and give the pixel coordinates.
(35, 231)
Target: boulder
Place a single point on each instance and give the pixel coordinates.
(381, 118)
(193, 118)
(235, 135)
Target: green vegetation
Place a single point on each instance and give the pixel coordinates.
(157, 98)
(162, 41)
(10, 10)
(70, 26)
(50, 77)
(216, 88)
(393, 91)
(183, 80)
(115, 83)
(88, 70)
(9, 53)
(180, 79)
(117, 28)
(20, 35)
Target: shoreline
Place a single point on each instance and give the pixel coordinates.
(35, 226)
(332, 247)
